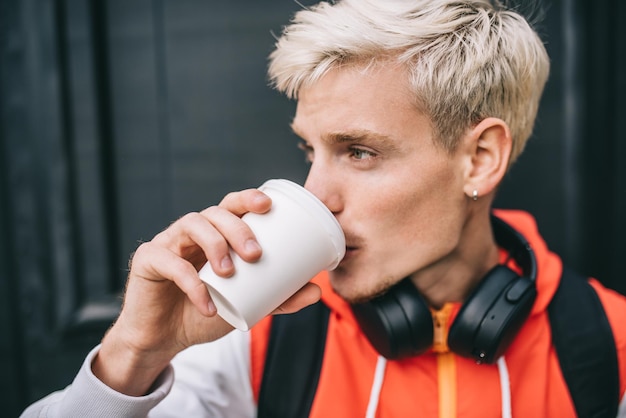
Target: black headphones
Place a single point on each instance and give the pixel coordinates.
(399, 323)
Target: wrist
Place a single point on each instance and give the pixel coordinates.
(127, 369)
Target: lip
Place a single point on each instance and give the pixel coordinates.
(350, 253)
(354, 244)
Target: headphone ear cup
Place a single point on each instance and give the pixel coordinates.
(492, 315)
(398, 324)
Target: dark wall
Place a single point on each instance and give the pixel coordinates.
(572, 175)
(116, 117)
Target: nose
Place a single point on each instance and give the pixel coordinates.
(325, 186)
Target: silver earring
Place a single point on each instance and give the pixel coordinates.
(475, 195)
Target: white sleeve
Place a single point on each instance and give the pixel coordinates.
(211, 380)
(89, 397)
(622, 408)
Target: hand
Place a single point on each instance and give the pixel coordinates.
(167, 308)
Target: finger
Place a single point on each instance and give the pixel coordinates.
(214, 231)
(251, 200)
(155, 263)
(307, 295)
(192, 234)
(235, 231)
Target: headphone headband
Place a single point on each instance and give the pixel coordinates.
(517, 246)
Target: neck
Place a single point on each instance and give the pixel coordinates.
(455, 276)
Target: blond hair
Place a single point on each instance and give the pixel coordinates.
(466, 60)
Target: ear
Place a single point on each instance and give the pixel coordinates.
(489, 145)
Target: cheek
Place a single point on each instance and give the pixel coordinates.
(427, 210)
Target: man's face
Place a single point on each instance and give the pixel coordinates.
(397, 195)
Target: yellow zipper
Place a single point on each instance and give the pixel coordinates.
(446, 365)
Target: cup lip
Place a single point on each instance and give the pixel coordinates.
(226, 310)
(334, 229)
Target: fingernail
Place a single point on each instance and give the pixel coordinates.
(260, 198)
(226, 263)
(252, 246)
(212, 308)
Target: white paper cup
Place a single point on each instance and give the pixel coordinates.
(299, 236)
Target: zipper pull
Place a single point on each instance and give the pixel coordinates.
(440, 327)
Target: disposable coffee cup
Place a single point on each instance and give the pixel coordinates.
(299, 236)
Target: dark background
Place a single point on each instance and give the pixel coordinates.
(117, 117)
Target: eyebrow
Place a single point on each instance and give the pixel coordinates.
(362, 136)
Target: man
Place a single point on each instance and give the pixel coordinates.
(410, 114)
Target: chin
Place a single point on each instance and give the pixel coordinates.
(358, 290)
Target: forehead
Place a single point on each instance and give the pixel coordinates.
(369, 84)
(375, 99)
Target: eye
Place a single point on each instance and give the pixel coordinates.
(308, 151)
(361, 154)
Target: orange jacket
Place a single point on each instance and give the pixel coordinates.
(526, 382)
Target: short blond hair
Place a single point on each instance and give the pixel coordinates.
(466, 60)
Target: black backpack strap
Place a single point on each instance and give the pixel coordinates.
(583, 339)
(293, 363)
